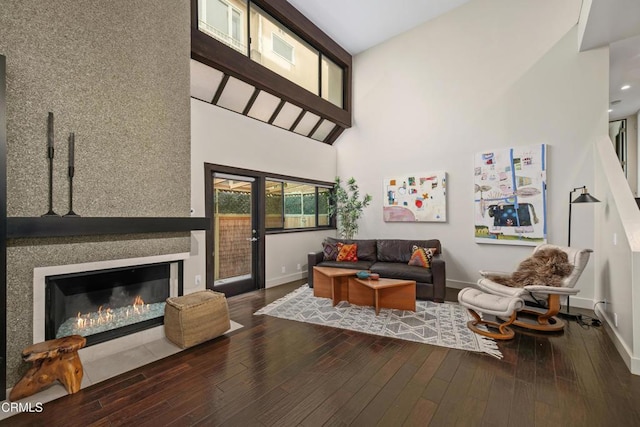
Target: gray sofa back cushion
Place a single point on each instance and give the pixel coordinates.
(366, 248)
(396, 250)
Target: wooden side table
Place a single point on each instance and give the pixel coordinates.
(331, 282)
(383, 293)
(52, 360)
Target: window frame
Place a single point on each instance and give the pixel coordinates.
(262, 177)
(318, 185)
(218, 55)
(229, 34)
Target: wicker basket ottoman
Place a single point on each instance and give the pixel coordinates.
(196, 318)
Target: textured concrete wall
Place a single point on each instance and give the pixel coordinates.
(117, 74)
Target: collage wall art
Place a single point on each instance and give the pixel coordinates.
(418, 197)
(510, 196)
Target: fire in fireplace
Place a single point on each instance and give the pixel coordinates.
(106, 304)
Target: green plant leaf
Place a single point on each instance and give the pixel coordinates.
(347, 206)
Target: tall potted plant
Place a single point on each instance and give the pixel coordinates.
(347, 206)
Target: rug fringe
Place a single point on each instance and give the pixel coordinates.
(489, 346)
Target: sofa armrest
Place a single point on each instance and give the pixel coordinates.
(439, 274)
(313, 259)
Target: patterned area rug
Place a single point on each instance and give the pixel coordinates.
(443, 324)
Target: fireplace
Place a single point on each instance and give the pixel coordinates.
(106, 304)
(116, 304)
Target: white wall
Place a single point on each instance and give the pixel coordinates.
(490, 74)
(632, 153)
(618, 255)
(637, 143)
(223, 137)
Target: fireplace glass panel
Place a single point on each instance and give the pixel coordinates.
(106, 304)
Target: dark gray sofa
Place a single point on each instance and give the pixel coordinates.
(389, 258)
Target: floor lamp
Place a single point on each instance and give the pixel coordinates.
(585, 197)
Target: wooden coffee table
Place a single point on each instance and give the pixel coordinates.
(385, 293)
(332, 282)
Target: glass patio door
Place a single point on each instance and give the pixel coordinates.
(234, 239)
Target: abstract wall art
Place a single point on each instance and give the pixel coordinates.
(510, 196)
(418, 197)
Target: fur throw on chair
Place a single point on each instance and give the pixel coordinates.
(546, 267)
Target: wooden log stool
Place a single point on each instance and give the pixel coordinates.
(477, 301)
(52, 360)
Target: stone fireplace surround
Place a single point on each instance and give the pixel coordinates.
(116, 345)
(107, 359)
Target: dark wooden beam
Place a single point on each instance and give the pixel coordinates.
(315, 128)
(277, 111)
(333, 135)
(297, 120)
(220, 89)
(252, 100)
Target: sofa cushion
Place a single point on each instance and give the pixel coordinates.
(421, 257)
(366, 247)
(396, 250)
(392, 270)
(347, 252)
(360, 265)
(329, 251)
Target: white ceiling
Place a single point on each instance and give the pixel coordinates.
(617, 23)
(358, 25)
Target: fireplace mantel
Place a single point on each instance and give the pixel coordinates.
(25, 227)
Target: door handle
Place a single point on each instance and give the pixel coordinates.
(252, 239)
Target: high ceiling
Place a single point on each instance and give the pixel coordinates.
(360, 24)
(617, 23)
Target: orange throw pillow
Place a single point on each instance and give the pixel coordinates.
(421, 257)
(347, 252)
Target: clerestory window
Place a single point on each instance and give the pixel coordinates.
(223, 21)
(299, 65)
(282, 51)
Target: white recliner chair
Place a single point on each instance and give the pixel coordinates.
(546, 299)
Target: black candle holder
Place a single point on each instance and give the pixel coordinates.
(71, 212)
(51, 212)
(72, 148)
(50, 153)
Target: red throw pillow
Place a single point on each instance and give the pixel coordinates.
(347, 252)
(421, 257)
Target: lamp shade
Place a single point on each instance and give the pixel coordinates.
(586, 198)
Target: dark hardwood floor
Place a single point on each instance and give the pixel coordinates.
(285, 373)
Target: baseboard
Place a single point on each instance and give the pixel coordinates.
(285, 279)
(459, 284)
(633, 363)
